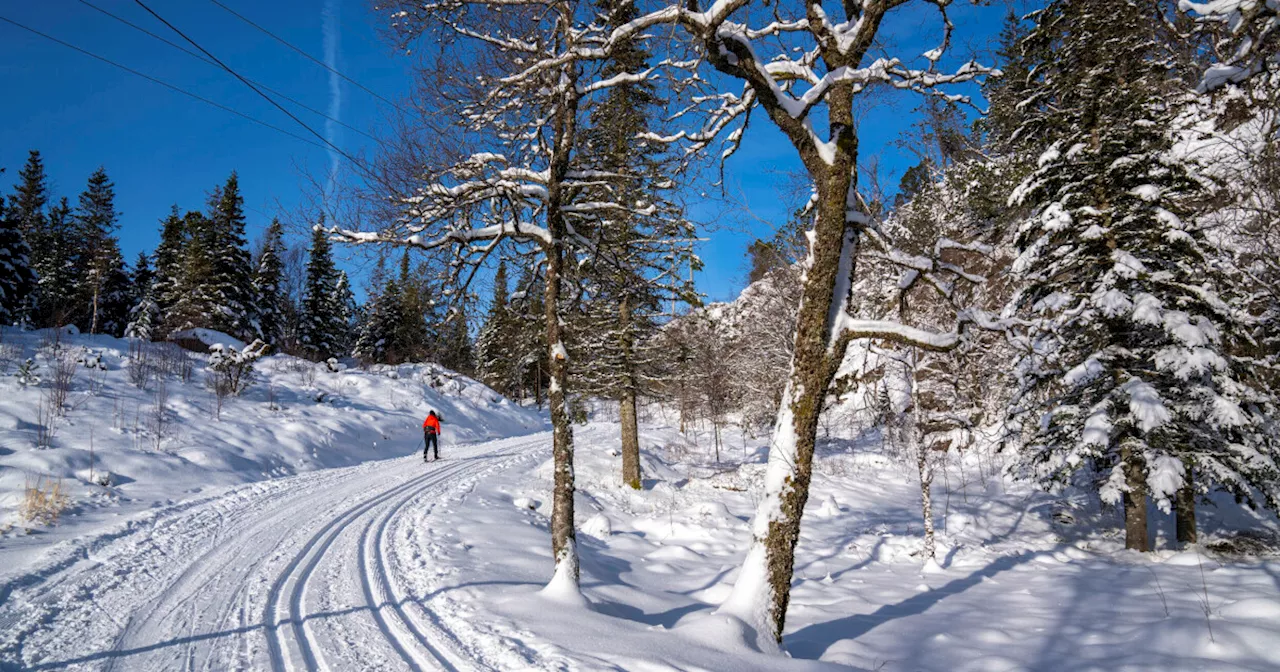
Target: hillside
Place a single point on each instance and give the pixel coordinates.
(140, 427)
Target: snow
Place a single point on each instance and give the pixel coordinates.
(1147, 309)
(1113, 302)
(295, 416)
(1127, 265)
(387, 563)
(1097, 426)
(1145, 405)
(1164, 478)
(208, 337)
(1084, 372)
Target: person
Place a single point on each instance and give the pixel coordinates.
(431, 436)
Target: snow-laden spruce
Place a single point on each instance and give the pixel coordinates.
(1134, 370)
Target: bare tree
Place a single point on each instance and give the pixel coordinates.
(509, 171)
(775, 53)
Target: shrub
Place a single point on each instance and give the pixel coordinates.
(43, 501)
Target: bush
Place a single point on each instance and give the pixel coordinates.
(232, 370)
(43, 501)
(139, 366)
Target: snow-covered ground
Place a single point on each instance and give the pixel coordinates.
(1027, 582)
(393, 564)
(296, 416)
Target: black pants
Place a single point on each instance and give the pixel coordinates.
(430, 442)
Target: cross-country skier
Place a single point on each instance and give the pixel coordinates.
(430, 436)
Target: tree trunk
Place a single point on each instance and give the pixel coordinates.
(1185, 509)
(1135, 499)
(627, 403)
(93, 324)
(763, 590)
(925, 468)
(630, 439)
(563, 538)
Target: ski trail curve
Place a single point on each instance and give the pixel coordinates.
(290, 574)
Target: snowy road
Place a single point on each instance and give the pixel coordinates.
(291, 574)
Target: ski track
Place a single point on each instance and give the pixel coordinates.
(291, 574)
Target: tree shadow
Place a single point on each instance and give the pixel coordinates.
(812, 641)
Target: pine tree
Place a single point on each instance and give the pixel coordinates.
(54, 255)
(376, 341)
(169, 255)
(495, 365)
(104, 303)
(192, 298)
(144, 314)
(323, 322)
(31, 196)
(269, 300)
(347, 314)
(16, 276)
(47, 234)
(630, 275)
(230, 280)
(1141, 385)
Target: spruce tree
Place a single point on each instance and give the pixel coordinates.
(144, 313)
(268, 291)
(456, 350)
(411, 340)
(48, 235)
(322, 322)
(1006, 94)
(30, 197)
(347, 314)
(169, 255)
(16, 276)
(639, 243)
(193, 299)
(1135, 376)
(376, 341)
(230, 280)
(495, 364)
(54, 256)
(104, 301)
(529, 334)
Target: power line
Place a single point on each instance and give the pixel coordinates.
(317, 61)
(161, 82)
(201, 58)
(247, 83)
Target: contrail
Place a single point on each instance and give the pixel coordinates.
(332, 47)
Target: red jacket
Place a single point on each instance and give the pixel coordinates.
(431, 424)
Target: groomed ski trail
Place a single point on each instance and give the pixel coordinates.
(290, 574)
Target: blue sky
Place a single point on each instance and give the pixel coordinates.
(162, 148)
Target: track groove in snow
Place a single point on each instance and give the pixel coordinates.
(290, 574)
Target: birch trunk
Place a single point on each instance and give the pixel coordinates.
(925, 467)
